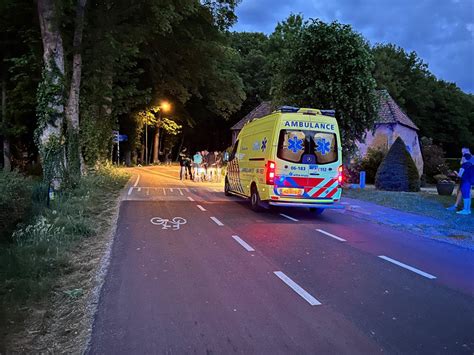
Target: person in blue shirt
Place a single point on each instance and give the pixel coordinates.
(466, 173)
(197, 159)
(456, 205)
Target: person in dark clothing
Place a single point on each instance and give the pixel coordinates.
(211, 166)
(182, 164)
(188, 164)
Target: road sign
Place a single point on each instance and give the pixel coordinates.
(120, 138)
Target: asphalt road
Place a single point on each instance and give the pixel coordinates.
(194, 271)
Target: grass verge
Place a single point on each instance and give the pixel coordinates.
(421, 203)
(44, 251)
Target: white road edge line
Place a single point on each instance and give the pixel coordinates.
(139, 189)
(136, 182)
(201, 208)
(219, 223)
(408, 267)
(190, 199)
(284, 215)
(130, 190)
(297, 288)
(243, 243)
(331, 235)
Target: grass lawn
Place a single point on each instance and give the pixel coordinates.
(44, 250)
(417, 202)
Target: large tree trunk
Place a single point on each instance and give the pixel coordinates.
(75, 159)
(51, 96)
(7, 166)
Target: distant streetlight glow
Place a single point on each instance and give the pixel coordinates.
(165, 106)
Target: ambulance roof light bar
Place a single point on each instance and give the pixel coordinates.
(288, 109)
(331, 113)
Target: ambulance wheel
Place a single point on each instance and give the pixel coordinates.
(255, 200)
(226, 187)
(316, 211)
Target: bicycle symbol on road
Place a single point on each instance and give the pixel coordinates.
(166, 223)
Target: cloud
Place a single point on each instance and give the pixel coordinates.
(440, 31)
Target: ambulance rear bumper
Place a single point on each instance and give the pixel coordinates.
(336, 206)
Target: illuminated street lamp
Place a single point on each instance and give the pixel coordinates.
(164, 106)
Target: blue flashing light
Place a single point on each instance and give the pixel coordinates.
(331, 113)
(288, 109)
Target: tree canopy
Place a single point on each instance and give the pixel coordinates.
(328, 66)
(120, 58)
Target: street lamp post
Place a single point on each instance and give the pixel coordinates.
(146, 141)
(164, 106)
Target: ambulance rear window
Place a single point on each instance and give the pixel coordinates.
(307, 147)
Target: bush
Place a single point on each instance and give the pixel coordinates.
(15, 201)
(398, 170)
(433, 159)
(371, 162)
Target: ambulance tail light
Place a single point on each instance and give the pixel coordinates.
(340, 175)
(270, 175)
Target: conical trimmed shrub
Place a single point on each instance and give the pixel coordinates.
(397, 172)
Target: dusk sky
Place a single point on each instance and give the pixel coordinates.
(441, 32)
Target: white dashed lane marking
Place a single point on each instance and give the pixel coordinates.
(331, 235)
(408, 267)
(138, 179)
(297, 288)
(190, 199)
(243, 243)
(203, 209)
(290, 218)
(219, 223)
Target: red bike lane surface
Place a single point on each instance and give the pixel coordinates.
(194, 289)
(402, 310)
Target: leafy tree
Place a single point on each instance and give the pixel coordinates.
(254, 67)
(330, 66)
(20, 72)
(398, 171)
(440, 109)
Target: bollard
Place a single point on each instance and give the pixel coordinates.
(362, 180)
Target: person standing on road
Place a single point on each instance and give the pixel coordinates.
(188, 164)
(197, 159)
(466, 173)
(458, 191)
(219, 164)
(168, 157)
(205, 163)
(211, 166)
(182, 163)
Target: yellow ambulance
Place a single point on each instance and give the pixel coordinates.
(290, 158)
